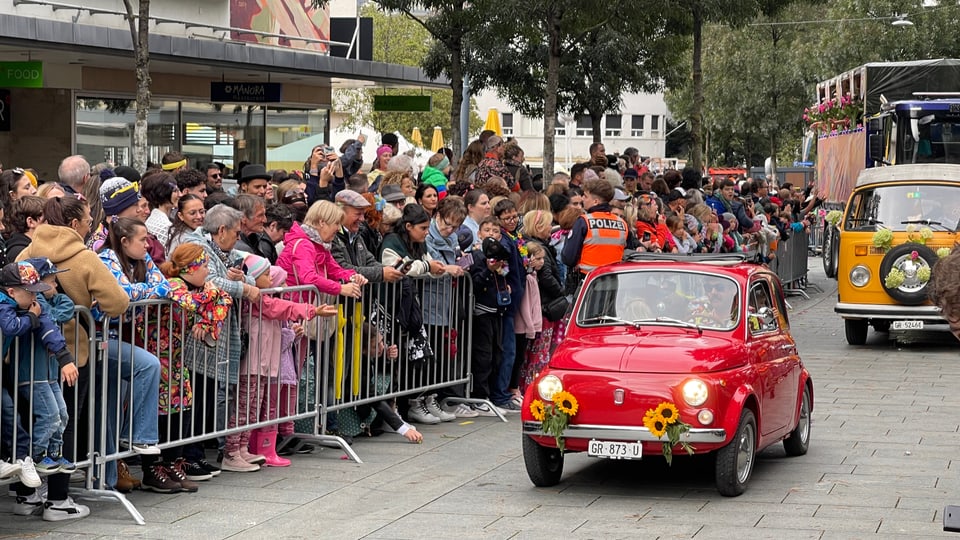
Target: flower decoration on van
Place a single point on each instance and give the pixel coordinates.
(555, 416)
(665, 420)
(833, 217)
(920, 235)
(943, 252)
(911, 271)
(883, 239)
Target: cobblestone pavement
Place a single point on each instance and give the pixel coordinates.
(880, 466)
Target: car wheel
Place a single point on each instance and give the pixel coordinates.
(829, 251)
(544, 464)
(910, 259)
(856, 331)
(735, 460)
(799, 440)
(881, 325)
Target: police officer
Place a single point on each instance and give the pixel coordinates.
(599, 237)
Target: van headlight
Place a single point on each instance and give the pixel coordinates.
(859, 275)
(695, 392)
(548, 386)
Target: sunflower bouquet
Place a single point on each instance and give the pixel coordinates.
(665, 420)
(555, 416)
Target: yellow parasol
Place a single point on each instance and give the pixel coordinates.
(416, 138)
(437, 141)
(493, 122)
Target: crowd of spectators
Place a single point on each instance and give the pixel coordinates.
(101, 237)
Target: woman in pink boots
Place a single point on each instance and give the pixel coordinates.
(260, 368)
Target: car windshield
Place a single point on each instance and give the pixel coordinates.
(661, 297)
(900, 208)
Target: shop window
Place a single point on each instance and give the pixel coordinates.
(225, 132)
(104, 129)
(292, 134)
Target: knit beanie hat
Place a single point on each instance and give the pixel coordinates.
(117, 194)
(384, 149)
(256, 265)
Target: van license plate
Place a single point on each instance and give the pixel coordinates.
(907, 325)
(615, 449)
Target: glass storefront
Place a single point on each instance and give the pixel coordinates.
(228, 133)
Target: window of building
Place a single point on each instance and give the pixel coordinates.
(613, 126)
(507, 124)
(224, 132)
(636, 125)
(105, 129)
(584, 127)
(292, 134)
(561, 129)
(654, 125)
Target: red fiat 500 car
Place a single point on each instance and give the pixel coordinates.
(709, 335)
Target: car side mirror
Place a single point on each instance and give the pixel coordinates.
(763, 320)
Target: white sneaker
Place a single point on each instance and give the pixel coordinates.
(482, 409)
(64, 510)
(462, 410)
(28, 473)
(431, 404)
(9, 469)
(31, 505)
(420, 414)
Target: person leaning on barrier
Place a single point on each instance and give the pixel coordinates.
(348, 248)
(60, 239)
(124, 253)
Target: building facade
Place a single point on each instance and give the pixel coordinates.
(232, 80)
(640, 123)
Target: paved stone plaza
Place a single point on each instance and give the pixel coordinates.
(880, 466)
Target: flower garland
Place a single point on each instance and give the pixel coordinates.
(521, 243)
(897, 277)
(665, 420)
(883, 239)
(555, 416)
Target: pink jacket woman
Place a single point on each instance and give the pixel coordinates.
(308, 262)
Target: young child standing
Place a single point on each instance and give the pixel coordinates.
(260, 368)
(43, 359)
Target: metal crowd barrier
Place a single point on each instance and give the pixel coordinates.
(78, 436)
(815, 236)
(790, 263)
(333, 369)
(353, 378)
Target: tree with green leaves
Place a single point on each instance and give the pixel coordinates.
(449, 22)
(398, 39)
(571, 56)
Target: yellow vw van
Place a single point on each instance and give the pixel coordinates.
(897, 223)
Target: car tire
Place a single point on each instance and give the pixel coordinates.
(734, 463)
(797, 443)
(856, 331)
(544, 464)
(911, 293)
(830, 251)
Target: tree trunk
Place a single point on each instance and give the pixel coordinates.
(595, 118)
(550, 100)
(456, 84)
(696, 110)
(140, 35)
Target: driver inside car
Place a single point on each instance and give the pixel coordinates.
(718, 307)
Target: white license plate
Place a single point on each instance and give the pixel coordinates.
(907, 325)
(615, 449)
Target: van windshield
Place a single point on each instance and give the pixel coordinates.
(899, 207)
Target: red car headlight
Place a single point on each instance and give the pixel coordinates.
(695, 392)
